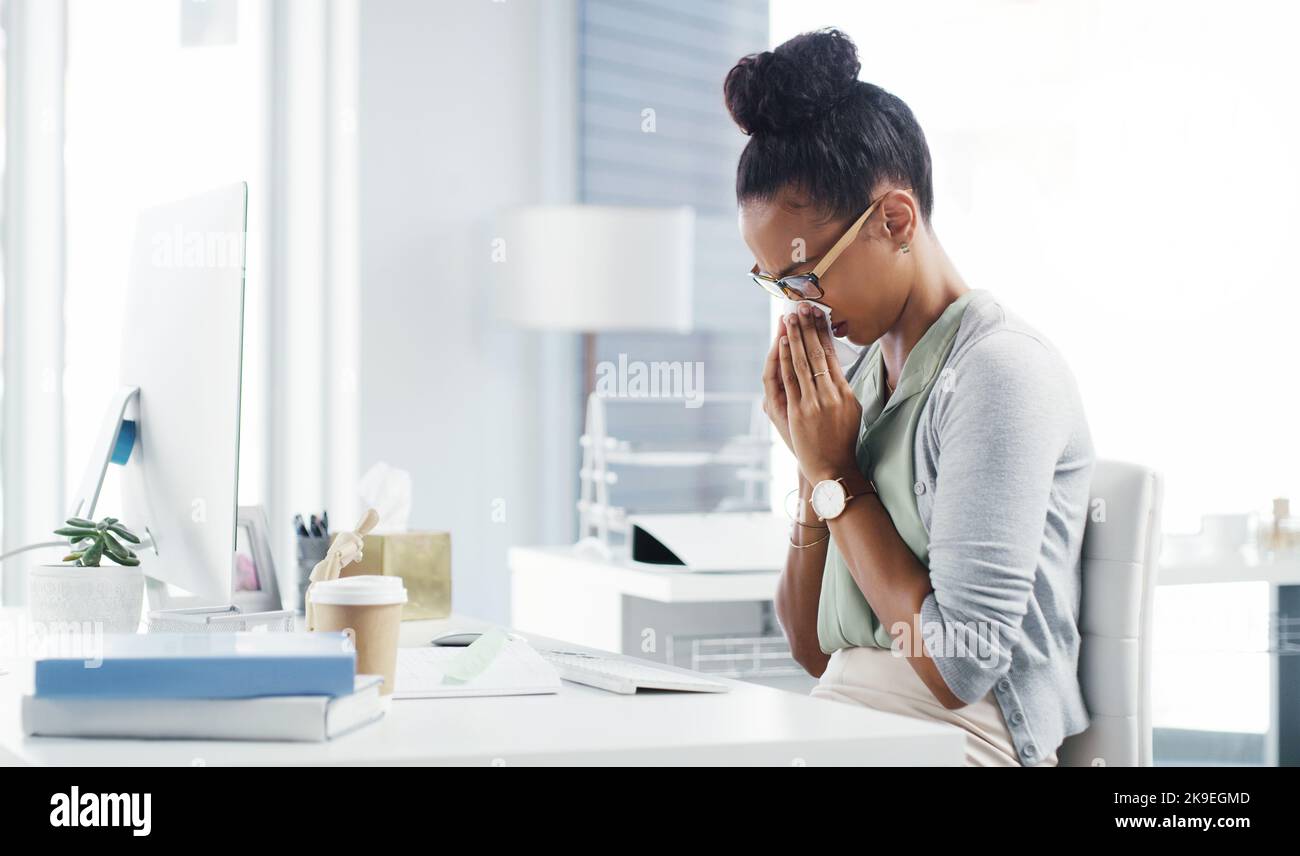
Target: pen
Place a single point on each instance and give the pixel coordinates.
(300, 526)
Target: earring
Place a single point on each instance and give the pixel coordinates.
(904, 247)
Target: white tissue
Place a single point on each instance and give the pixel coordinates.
(846, 352)
(388, 491)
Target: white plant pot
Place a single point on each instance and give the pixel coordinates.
(111, 595)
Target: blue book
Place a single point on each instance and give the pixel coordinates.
(201, 665)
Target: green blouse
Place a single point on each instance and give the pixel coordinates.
(886, 454)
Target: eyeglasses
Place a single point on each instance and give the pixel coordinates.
(807, 286)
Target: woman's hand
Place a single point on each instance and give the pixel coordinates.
(824, 415)
(774, 400)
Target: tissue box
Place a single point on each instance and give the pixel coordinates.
(421, 559)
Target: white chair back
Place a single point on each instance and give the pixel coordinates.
(1121, 547)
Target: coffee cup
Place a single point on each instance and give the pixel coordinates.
(369, 609)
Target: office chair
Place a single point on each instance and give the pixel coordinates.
(1121, 545)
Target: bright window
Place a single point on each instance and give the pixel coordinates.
(164, 100)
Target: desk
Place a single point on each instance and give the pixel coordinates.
(648, 611)
(1182, 566)
(751, 725)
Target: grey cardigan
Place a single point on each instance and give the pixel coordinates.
(1004, 462)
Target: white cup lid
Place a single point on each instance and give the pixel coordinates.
(364, 590)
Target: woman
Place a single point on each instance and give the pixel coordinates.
(944, 476)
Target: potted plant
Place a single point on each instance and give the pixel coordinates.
(80, 590)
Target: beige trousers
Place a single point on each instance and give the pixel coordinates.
(878, 679)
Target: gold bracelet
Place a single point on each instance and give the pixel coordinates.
(813, 544)
(796, 520)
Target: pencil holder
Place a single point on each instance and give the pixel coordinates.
(310, 551)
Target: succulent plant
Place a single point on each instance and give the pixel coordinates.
(93, 541)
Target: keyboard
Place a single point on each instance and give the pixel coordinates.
(625, 676)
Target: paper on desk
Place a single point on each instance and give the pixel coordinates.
(475, 659)
(497, 663)
(387, 489)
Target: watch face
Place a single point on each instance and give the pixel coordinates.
(828, 499)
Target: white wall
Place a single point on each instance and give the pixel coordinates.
(1092, 163)
(476, 411)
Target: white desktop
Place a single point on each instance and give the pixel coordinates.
(172, 426)
(750, 725)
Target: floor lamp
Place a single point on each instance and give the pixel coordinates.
(591, 269)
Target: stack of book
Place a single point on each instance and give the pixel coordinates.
(205, 686)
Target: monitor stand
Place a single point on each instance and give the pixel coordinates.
(245, 610)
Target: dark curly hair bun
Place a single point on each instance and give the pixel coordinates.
(801, 80)
(816, 129)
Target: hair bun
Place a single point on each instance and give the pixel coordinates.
(802, 79)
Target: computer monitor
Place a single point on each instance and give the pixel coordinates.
(174, 424)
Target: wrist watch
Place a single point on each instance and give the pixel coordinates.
(830, 497)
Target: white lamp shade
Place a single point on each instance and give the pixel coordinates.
(597, 268)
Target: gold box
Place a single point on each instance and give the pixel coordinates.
(421, 559)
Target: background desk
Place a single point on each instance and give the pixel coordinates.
(1282, 574)
(656, 613)
(749, 725)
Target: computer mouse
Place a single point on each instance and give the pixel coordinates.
(456, 638)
